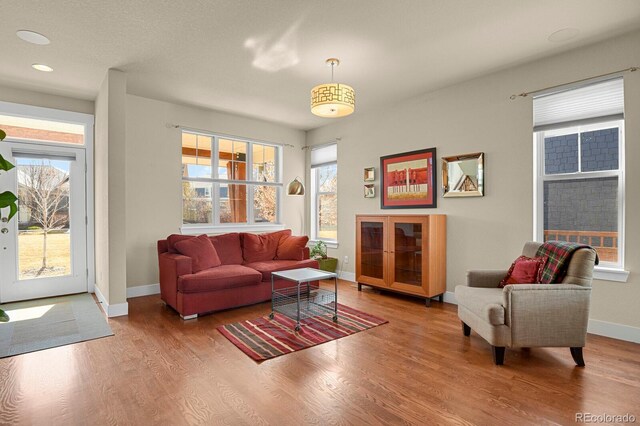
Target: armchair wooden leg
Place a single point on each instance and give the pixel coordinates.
(576, 353)
(466, 330)
(498, 354)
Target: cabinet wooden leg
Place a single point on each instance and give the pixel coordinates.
(359, 287)
(466, 330)
(427, 302)
(498, 354)
(441, 298)
(576, 353)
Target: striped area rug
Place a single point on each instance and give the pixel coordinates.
(264, 339)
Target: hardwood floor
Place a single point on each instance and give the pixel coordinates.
(418, 369)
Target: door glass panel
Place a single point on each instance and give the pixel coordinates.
(44, 237)
(372, 254)
(408, 253)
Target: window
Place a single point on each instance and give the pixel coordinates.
(324, 193)
(42, 130)
(229, 181)
(579, 168)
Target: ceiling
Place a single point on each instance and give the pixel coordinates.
(260, 58)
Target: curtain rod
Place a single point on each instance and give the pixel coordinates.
(224, 135)
(331, 142)
(525, 94)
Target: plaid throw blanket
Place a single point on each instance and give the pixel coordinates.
(559, 254)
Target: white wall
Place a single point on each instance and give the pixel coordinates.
(28, 97)
(488, 232)
(110, 188)
(153, 170)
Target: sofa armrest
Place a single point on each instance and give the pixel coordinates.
(485, 279)
(171, 267)
(547, 314)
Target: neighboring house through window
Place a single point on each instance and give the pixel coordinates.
(228, 181)
(324, 193)
(579, 136)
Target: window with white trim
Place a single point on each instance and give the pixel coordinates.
(324, 193)
(579, 194)
(228, 181)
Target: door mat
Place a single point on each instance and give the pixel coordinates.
(46, 323)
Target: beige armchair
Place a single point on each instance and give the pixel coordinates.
(529, 315)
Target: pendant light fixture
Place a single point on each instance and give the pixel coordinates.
(333, 100)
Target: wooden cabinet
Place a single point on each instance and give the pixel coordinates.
(402, 253)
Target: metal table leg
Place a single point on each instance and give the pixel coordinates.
(335, 298)
(298, 307)
(271, 315)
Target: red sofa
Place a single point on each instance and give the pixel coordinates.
(243, 277)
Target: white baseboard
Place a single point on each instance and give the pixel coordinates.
(348, 276)
(143, 290)
(613, 330)
(601, 328)
(450, 297)
(117, 310)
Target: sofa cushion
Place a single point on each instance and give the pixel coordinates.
(291, 248)
(222, 277)
(228, 248)
(201, 252)
(261, 247)
(269, 266)
(525, 270)
(173, 239)
(486, 303)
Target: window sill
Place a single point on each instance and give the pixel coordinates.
(329, 244)
(222, 229)
(610, 274)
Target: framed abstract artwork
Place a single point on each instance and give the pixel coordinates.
(408, 180)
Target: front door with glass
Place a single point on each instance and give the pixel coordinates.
(43, 248)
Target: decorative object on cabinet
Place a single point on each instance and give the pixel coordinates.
(408, 180)
(369, 174)
(369, 191)
(463, 175)
(402, 253)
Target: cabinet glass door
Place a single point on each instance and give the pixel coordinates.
(372, 249)
(407, 253)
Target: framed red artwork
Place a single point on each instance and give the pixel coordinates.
(408, 180)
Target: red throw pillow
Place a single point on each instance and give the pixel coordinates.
(201, 252)
(173, 239)
(292, 248)
(228, 248)
(258, 248)
(525, 270)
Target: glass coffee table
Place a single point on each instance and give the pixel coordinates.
(304, 299)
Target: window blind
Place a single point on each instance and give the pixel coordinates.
(592, 103)
(326, 154)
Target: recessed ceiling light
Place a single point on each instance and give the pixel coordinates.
(563, 35)
(32, 37)
(42, 67)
